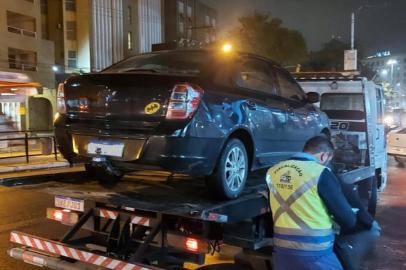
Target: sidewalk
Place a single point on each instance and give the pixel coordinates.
(19, 164)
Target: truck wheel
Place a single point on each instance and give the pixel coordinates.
(230, 175)
(368, 193)
(102, 174)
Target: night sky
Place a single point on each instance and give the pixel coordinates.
(380, 24)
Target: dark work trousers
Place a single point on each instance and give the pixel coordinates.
(353, 248)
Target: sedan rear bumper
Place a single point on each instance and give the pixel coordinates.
(190, 155)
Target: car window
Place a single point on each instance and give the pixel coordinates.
(288, 88)
(187, 62)
(256, 75)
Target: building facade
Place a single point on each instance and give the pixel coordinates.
(26, 61)
(90, 35)
(390, 68)
(189, 22)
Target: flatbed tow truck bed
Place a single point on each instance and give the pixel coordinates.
(163, 223)
(142, 223)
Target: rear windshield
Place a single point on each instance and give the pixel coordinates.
(185, 62)
(343, 106)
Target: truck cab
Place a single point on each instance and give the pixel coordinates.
(355, 107)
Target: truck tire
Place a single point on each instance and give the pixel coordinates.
(368, 193)
(102, 174)
(230, 175)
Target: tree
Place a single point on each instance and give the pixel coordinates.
(329, 58)
(263, 35)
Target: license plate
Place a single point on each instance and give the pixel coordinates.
(70, 203)
(106, 148)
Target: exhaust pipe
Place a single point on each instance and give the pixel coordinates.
(42, 260)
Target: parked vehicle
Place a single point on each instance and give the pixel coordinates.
(355, 107)
(200, 112)
(397, 145)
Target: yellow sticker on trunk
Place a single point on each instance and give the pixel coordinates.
(152, 108)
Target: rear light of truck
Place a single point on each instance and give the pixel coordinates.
(60, 99)
(185, 100)
(62, 215)
(188, 243)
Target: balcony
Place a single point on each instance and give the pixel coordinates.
(22, 60)
(21, 24)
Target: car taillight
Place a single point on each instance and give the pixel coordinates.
(60, 99)
(185, 100)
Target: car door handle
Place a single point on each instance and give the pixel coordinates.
(251, 104)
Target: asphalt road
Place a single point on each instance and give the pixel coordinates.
(23, 208)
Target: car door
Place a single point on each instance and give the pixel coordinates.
(303, 118)
(267, 113)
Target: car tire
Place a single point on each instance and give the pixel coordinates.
(102, 174)
(230, 175)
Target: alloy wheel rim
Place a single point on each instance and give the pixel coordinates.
(235, 169)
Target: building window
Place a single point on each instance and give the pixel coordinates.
(181, 7)
(22, 60)
(213, 22)
(70, 5)
(71, 30)
(21, 24)
(72, 59)
(189, 11)
(181, 26)
(129, 15)
(207, 20)
(44, 7)
(130, 41)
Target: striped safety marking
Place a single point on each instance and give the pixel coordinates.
(143, 221)
(76, 254)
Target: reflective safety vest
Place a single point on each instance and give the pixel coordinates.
(301, 220)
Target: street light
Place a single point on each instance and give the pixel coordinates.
(384, 72)
(391, 63)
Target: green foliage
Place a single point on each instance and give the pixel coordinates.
(263, 35)
(388, 90)
(329, 58)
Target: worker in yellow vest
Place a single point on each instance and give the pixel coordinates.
(305, 199)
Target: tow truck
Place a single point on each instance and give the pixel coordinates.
(150, 225)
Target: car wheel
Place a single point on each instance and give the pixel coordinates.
(102, 174)
(230, 175)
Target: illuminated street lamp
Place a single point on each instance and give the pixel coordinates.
(384, 72)
(391, 63)
(55, 68)
(227, 47)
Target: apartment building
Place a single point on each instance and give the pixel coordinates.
(26, 61)
(390, 68)
(90, 35)
(189, 22)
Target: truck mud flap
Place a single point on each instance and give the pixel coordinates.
(48, 253)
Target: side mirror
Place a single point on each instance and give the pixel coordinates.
(313, 97)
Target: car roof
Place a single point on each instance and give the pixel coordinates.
(210, 51)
